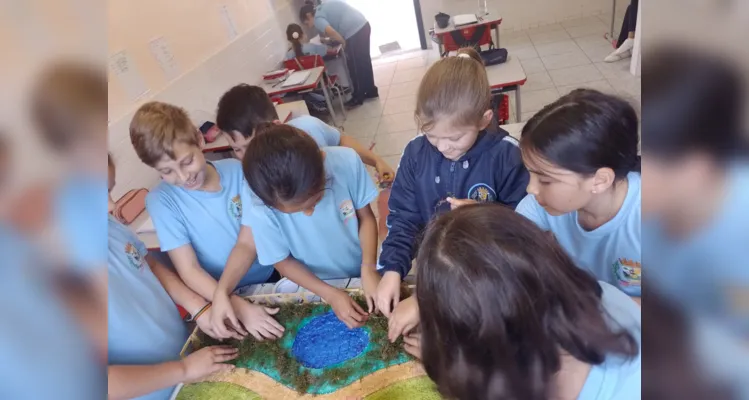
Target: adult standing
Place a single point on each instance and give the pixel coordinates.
(348, 26)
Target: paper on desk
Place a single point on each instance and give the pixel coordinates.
(146, 227)
(297, 78)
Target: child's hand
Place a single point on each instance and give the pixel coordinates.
(455, 203)
(384, 172)
(222, 313)
(370, 278)
(412, 344)
(346, 309)
(205, 324)
(405, 317)
(259, 321)
(388, 292)
(207, 361)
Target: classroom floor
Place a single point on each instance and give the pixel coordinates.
(557, 59)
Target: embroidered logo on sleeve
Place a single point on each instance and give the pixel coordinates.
(235, 207)
(134, 256)
(627, 272)
(482, 193)
(346, 209)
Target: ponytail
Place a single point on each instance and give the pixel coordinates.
(470, 52)
(294, 35)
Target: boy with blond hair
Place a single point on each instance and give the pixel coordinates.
(197, 210)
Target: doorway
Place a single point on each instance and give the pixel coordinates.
(392, 21)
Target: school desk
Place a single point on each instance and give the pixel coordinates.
(491, 20)
(314, 80)
(506, 77)
(284, 111)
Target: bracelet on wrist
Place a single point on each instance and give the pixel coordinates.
(193, 318)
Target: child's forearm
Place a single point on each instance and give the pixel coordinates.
(129, 381)
(175, 287)
(367, 156)
(239, 262)
(367, 236)
(194, 276)
(299, 274)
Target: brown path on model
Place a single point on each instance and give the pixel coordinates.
(269, 389)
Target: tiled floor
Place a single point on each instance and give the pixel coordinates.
(556, 58)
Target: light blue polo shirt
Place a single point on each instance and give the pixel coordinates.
(328, 240)
(705, 271)
(612, 251)
(144, 325)
(208, 221)
(78, 209)
(45, 352)
(346, 20)
(617, 378)
(309, 49)
(323, 134)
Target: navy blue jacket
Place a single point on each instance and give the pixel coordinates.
(491, 171)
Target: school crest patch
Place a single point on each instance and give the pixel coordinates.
(346, 209)
(482, 193)
(134, 256)
(627, 272)
(235, 207)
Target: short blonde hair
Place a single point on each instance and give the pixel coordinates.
(67, 98)
(456, 88)
(156, 127)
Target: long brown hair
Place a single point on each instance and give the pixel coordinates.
(504, 299)
(455, 88)
(296, 43)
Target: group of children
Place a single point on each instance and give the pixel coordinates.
(514, 304)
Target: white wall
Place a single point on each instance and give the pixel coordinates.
(259, 47)
(522, 14)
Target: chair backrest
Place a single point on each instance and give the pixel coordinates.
(303, 62)
(476, 36)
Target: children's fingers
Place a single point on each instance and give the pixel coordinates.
(265, 333)
(224, 357)
(414, 351)
(219, 367)
(384, 306)
(273, 330)
(358, 308)
(276, 325)
(256, 335)
(356, 317)
(370, 304)
(236, 325)
(236, 335)
(271, 311)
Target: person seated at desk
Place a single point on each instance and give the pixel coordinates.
(300, 46)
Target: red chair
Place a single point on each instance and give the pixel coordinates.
(314, 61)
(469, 35)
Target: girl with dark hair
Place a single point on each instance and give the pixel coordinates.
(581, 152)
(510, 316)
(348, 26)
(311, 218)
(299, 44)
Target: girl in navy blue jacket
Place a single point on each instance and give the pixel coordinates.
(456, 161)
